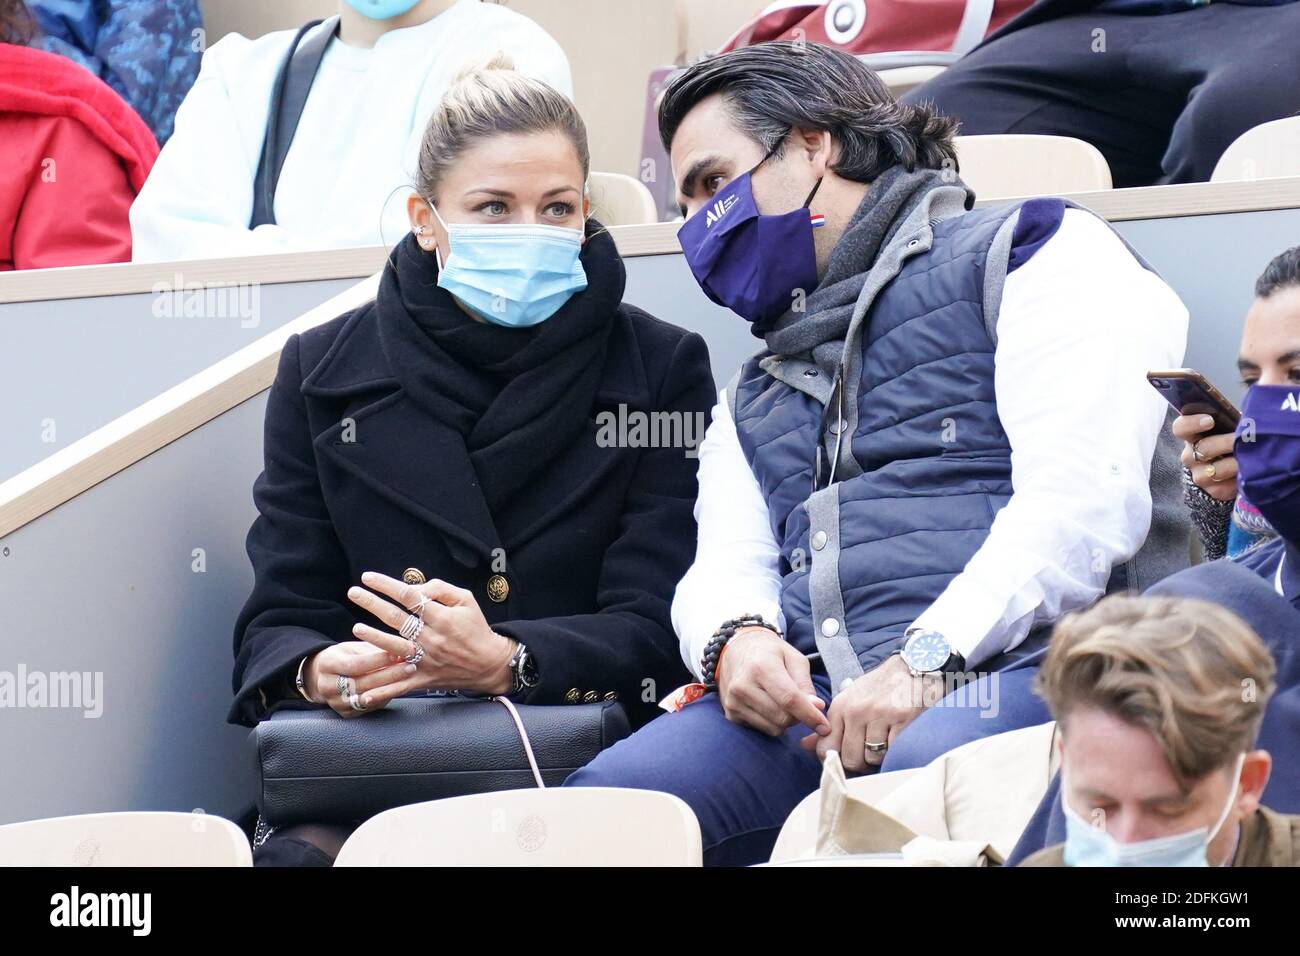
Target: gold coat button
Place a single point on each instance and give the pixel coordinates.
(590, 697)
(572, 695)
(498, 588)
(612, 695)
(413, 576)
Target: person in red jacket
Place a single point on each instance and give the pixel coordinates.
(76, 155)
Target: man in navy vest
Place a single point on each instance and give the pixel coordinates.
(1161, 87)
(946, 443)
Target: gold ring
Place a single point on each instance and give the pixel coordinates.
(1196, 450)
(1211, 471)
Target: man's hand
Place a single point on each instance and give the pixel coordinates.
(874, 709)
(766, 684)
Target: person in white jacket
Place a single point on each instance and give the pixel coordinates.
(357, 140)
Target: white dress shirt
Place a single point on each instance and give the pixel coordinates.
(355, 147)
(1080, 325)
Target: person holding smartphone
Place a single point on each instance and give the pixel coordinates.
(1270, 355)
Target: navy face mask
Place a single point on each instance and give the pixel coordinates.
(746, 261)
(1268, 455)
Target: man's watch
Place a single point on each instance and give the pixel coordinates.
(929, 652)
(523, 670)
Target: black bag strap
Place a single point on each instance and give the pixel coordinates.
(288, 97)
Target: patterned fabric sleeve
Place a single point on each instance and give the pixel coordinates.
(1210, 517)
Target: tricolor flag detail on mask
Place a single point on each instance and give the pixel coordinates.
(817, 219)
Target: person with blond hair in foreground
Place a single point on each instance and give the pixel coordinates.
(1159, 702)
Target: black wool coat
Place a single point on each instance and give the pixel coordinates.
(606, 534)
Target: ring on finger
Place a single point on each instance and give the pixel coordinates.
(1211, 472)
(417, 652)
(1196, 451)
(411, 626)
(354, 701)
(877, 748)
(419, 606)
(345, 686)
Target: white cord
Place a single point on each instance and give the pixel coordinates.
(523, 734)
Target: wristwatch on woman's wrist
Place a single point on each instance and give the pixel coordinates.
(712, 655)
(523, 671)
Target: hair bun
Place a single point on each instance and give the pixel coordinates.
(498, 60)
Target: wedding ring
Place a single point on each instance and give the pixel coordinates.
(354, 701)
(877, 748)
(411, 626)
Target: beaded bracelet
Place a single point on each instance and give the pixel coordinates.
(713, 650)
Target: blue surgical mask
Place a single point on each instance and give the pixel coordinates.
(512, 275)
(381, 9)
(1087, 845)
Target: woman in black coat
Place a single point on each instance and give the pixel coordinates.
(449, 444)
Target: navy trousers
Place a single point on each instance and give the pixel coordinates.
(1161, 96)
(743, 784)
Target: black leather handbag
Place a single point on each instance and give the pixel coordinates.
(316, 767)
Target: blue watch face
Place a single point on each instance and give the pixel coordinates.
(927, 651)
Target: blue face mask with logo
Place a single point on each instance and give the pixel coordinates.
(382, 9)
(1087, 845)
(748, 262)
(512, 275)
(1267, 449)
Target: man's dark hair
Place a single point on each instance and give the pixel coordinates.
(16, 24)
(774, 87)
(1282, 272)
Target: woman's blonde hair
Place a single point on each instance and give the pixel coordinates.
(489, 98)
(1191, 673)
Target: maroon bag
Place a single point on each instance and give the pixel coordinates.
(886, 33)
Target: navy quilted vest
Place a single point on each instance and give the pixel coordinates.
(880, 546)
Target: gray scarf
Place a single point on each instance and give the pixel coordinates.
(817, 333)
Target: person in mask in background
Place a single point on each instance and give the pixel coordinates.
(1261, 585)
(442, 507)
(894, 500)
(355, 144)
(1270, 355)
(1159, 703)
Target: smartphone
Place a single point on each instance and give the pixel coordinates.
(1190, 393)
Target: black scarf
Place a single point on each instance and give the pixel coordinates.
(817, 334)
(518, 396)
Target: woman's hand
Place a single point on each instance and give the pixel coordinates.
(364, 667)
(461, 651)
(1208, 456)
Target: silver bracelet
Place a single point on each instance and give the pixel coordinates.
(300, 684)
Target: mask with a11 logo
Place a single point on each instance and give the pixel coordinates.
(748, 262)
(512, 275)
(1267, 449)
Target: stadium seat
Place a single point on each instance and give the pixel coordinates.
(596, 826)
(1004, 166)
(618, 200)
(1268, 151)
(904, 79)
(125, 839)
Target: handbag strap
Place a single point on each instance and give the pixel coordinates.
(523, 735)
(288, 99)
